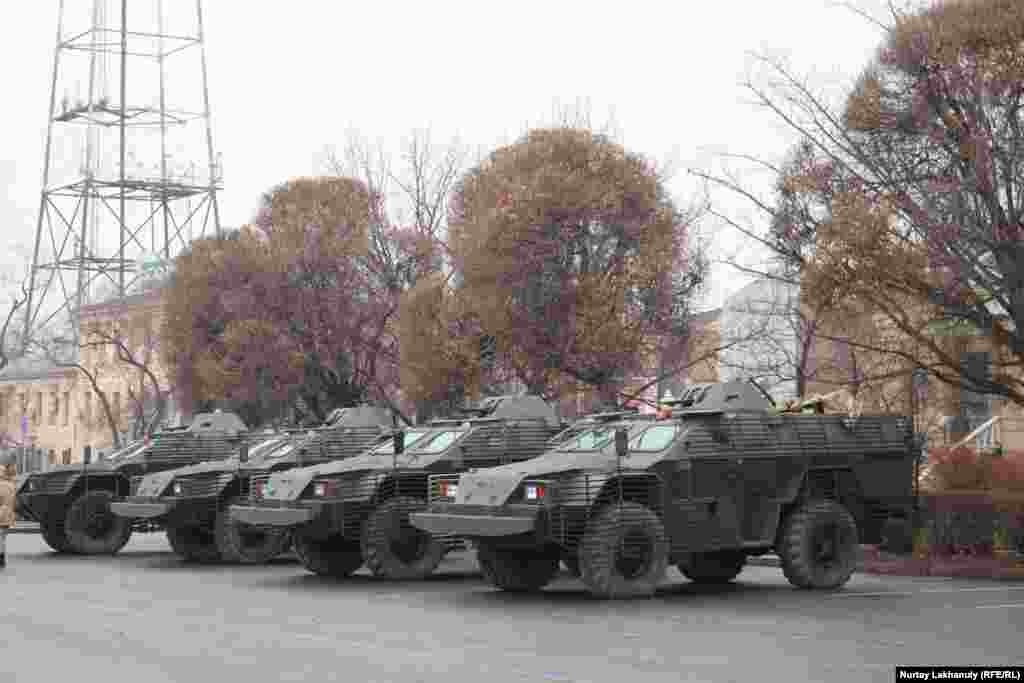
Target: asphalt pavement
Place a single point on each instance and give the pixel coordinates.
(145, 617)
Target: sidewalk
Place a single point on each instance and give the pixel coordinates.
(872, 561)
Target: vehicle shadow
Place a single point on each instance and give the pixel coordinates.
(572, 592)
(171, 562)
(362, 582)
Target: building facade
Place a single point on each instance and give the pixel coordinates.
(62, 408)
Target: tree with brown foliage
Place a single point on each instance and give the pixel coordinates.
(570, 253)
(906, 206)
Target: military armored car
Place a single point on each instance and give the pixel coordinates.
(192, 503)
(72, 503)
(355, 512)
(718, 478)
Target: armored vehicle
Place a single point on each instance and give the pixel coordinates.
(719, 477)
(72, 503)
(192, 503)
(355, 512)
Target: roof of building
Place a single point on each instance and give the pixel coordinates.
(151, 296)
(708, 316)
(20, 369)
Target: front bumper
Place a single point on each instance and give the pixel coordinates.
(479, 521)
(259, 515)
(142, 508)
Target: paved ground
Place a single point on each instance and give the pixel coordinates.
(144, 617)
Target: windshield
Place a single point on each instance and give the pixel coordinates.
(280, 449)
(656, 438)
(264, 447)
(438, 441)
(388, 447)
(127, 452)
(596, 438)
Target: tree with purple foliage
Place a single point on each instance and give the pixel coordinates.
(907, 206)
(570, 253)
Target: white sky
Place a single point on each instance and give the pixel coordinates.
(288, 79)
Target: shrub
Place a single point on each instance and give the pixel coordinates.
(1008, 471)
(959, 469)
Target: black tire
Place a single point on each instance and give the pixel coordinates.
(517, 571)
(624, 552)
(818, 547)
(245, 544)
(91, 528)
(335, 556)
(395, 549)
(720, 566)
(193, 543)
(52, 530)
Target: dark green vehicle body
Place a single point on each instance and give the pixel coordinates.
(334, 508)
(192, 503)
(721, 475)
(71, 503)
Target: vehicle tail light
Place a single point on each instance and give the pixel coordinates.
(534, 492)
(257, 489)
(449, 489)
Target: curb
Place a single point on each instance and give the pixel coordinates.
(24, 528)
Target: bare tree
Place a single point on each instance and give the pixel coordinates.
(18, 302)
(147, 390)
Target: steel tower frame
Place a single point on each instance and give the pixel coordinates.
(69, 211)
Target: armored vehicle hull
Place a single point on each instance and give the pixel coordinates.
(72, 503)
(712, 483)
(356, 512)
(193, 503)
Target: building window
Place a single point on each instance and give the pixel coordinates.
(3, 408)
(39, 407)
(55, 411)
(88, 406)
(67, 407)
(117, 408)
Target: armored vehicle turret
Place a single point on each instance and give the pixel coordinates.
(192, 503)
(354, 512)
(717, 478)
(72, 503)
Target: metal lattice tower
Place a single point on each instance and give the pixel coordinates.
(122, 192)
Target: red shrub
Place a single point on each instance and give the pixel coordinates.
(959, 469)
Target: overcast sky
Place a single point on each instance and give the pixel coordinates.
(288, 79)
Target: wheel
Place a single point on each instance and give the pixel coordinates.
(243, 543)
(92, 529)
(335, 556)
(624, 552)
(52, 530)
(193, 543)
(818, 547)
(517, 571)
(713, 567)
(395, 549)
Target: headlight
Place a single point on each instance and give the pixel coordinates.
(325, 489)
(176, 488)
(32, 485)
(536, 491)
